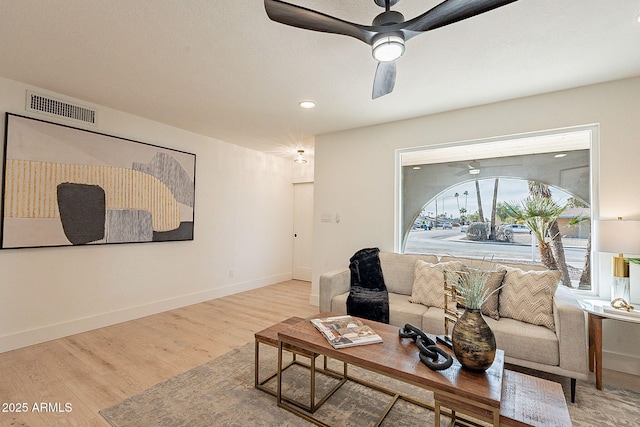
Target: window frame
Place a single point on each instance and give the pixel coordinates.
(594, 159)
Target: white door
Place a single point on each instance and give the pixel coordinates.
(302, 230)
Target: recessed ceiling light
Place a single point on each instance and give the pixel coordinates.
(560, 155)
(415, 168)
(307, 104)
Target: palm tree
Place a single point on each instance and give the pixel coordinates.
(501, 212)
(538, 213)
(463, 215)
(458, 203)
(492, 234)
(480, 213)
(585, 277)
(466, 195)
(538, 189)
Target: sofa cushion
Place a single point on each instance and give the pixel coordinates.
(397, 270)
(491, 305)
(433, 321)
(528, 296)
(402, 311)
(525, 341)
(428, 282)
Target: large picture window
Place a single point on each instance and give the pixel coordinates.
(526, 199)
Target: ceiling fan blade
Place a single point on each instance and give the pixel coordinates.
(385, 79)
(301, 17)
(448, 12)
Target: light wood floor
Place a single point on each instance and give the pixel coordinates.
(97, 369)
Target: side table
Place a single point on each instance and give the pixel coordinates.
(598, 310)
(269, 337)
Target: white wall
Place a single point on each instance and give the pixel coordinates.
(355, 174)
(243, 225)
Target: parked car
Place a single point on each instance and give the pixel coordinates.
(463, 229)
(421, 225)
(446, 226)
(517, 228)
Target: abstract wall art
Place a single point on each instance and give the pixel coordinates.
(66, 186)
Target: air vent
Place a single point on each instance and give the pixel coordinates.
(54, 107)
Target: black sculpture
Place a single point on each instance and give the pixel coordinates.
(429, 351)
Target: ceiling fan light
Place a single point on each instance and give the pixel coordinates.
(474, 171)
(388, 48)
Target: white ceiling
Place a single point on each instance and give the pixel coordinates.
(221, 68)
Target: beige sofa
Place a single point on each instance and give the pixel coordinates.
(562, 352)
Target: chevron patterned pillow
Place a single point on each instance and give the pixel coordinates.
(491, 305)
(428, 282)
(528, 296)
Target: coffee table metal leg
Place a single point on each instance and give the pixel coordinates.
(436, 417)
(312, 404)
(279, 390)
(257, 364)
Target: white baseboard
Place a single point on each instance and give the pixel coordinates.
(314, 299)
(75, 326)
(621, 362)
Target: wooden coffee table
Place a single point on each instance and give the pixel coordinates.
(479, 396)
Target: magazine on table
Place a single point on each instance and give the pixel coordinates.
(346, 331)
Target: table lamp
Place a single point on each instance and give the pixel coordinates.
(619, 237)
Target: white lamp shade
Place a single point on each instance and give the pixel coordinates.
(617, 236)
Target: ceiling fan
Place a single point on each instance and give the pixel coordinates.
(388, 32)
(474, 167)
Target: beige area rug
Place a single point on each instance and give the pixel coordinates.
(221, 393)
